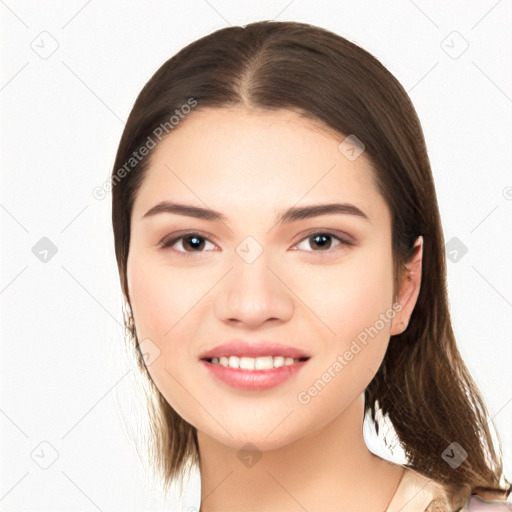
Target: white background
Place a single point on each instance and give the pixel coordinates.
(63, 380)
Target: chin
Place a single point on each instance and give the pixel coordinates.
(244, 439)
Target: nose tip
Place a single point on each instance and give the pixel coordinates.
(253, 295)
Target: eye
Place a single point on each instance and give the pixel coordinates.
(323, 240)
(191, 240)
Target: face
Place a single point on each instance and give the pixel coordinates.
(322, 284)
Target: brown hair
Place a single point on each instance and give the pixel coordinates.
(423, 385)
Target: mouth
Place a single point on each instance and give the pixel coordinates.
(253, 349)
(254, 363)
(253, 374)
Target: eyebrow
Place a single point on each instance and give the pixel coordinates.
(292, 214)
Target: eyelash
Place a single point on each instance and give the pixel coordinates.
(169, 243)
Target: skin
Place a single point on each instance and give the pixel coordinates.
(250, 166)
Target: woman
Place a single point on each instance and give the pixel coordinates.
(281, 254)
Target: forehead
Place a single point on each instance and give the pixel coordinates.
(245, 159)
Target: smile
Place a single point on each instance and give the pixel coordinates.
(255, 363)
(254, 374)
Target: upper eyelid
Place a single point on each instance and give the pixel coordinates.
(341, 235)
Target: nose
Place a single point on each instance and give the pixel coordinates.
(252, 294)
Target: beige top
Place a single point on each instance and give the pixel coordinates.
(414, 493)
(417, 493)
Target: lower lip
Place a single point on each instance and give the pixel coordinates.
(253, 380)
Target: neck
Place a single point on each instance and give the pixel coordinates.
(330, 469)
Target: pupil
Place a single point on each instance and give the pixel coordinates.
(324, 237)
(195, 238)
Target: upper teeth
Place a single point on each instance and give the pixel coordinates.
(255, 363)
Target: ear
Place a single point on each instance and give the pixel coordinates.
(409, 289)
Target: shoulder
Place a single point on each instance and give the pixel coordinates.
(417, 492)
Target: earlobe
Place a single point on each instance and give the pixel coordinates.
(410, 284)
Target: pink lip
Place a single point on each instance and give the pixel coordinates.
(245, 348)
(253, 380)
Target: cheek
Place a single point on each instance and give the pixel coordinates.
(354, 302)
(351, 296)
(158, 300)
(148, 300)
(364, 315)
(161, 309)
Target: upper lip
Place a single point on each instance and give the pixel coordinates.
(247, 348)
